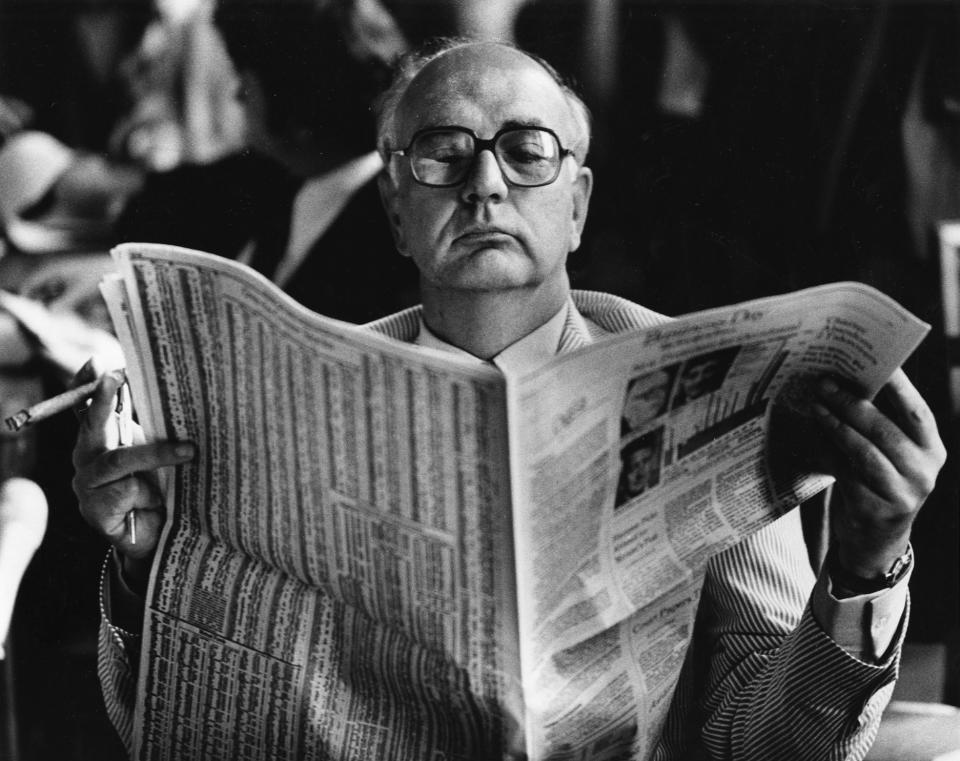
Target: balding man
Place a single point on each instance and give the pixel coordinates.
(486, 191)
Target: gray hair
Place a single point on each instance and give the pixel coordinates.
(411, 64)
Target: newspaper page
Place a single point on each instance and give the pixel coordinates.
(642, 456)
(337, 561)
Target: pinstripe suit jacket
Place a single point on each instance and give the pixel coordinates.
(761, 680)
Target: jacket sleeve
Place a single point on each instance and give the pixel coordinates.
(769, 682)
(117, 654)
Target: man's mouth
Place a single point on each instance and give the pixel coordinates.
(485, 235)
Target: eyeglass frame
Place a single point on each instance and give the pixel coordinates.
(480, 145)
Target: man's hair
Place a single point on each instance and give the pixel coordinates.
(412, 63)
(650, 440)
(322, 63)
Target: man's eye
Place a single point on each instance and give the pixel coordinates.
(448, 157)
(526, 150)
(526, 155)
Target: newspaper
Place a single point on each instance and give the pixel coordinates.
(509, 557)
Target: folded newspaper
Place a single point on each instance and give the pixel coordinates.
(546, 535)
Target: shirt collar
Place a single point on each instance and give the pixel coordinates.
(316, 206)
(524, 355)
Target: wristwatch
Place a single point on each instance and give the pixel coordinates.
(858, 585)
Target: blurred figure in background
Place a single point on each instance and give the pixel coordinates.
(299, 203)
(182, 85)
(63, 59)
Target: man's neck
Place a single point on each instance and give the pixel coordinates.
(484, 323)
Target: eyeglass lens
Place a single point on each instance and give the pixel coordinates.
(526, 156)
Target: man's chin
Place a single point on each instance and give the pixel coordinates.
(489, 269)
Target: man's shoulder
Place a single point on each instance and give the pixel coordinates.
(606, 314)
(403, 325)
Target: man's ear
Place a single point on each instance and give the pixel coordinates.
(582, 188)
(389, 193)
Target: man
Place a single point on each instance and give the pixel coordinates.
(703, 375)
(300, 202)
(646, 398)
(640, 466)
(486, 191)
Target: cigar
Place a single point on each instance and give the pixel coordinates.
(49, 407)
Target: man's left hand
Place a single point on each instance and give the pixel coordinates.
(886, 463)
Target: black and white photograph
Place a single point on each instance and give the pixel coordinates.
(308, 450)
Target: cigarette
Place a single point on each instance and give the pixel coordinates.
(49, 407)
(132, 526)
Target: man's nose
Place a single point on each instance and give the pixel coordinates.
(485, 180)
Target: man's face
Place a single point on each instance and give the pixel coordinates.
(700, 378)
(645, 398)
(641, 468)
(486, 234)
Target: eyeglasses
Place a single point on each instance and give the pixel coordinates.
(441, 157)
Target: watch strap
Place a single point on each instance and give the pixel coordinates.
(854, 585)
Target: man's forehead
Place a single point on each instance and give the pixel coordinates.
(483, 82)
(654, 379)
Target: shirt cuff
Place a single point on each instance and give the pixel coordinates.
(864, 625)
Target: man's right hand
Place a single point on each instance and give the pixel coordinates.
(116, 477)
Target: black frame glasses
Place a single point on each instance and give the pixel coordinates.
(510, 169)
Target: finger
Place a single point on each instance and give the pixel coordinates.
(863, 417)
(98, 428)
(912, 411)
(106, 506)
(88, 372)
(115, 464)
(859, 458)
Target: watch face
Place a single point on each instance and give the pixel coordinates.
(900, 567)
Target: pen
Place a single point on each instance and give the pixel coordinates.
(124, 438)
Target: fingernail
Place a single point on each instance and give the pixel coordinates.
(184, 449)
(829, 386)
(820, 410)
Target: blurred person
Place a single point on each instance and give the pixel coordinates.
(182, 85)
(299, 203)
(490, 228)
(63, 60)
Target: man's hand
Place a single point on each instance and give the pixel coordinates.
(114, 480)
(886, 464)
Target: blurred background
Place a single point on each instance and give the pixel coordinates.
(740, 149)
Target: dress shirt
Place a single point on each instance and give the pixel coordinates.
(528, 353)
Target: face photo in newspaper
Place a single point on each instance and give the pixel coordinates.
(639, 465)
(703, 374)
(646, 398)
